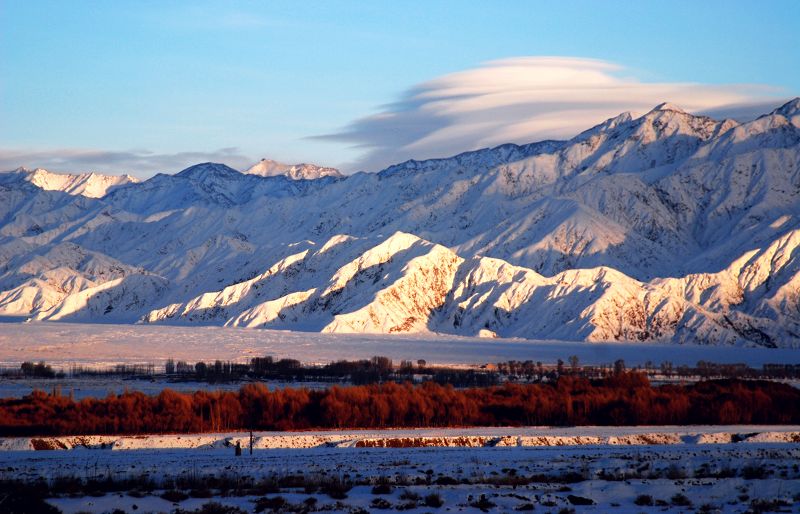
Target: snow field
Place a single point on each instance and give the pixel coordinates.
(719, 478)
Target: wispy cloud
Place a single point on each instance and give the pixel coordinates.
(522, 100)
(140, 163)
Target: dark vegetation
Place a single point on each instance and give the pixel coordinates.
(39, 370)
(380, 369)
(625, 398)
(366, 371)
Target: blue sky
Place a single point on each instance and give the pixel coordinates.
(152, 86)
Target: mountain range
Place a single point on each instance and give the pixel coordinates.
(661, 227)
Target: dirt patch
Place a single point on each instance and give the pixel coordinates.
(48, 444)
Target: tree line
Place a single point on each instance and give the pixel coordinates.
(626, 398)
(382, 369)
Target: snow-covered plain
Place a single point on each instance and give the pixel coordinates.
(721, 477)
(62, 344)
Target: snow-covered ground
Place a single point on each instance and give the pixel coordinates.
(62, 344)
(425, 437)
(713, 477)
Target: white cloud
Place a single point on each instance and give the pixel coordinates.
(526, 99)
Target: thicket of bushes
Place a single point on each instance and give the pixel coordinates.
(623, 399)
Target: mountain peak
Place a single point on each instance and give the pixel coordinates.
(667, 106)
(608, 125)
(302, 171)
(208, 169)
(789, 109)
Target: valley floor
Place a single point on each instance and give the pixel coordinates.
(63, 344)
(626, 470)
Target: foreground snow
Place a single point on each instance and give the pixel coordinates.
(62, 344)
(717, 478)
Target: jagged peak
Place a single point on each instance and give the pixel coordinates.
(607, 125)
(89, 184)
(85, 174)
(301, 171)
(667, 106)
(667, 120)
(662, 115)
(790, 108)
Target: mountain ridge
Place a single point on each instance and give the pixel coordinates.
(90, 184)
(665, 226)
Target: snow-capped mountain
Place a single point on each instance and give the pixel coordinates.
(93, 185)
(303, 171)
(666, 226)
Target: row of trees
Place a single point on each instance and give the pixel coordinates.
(365, 371)
(624, 399)
(537, 371)
(382, 369)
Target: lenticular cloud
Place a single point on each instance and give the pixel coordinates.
(521, 100)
